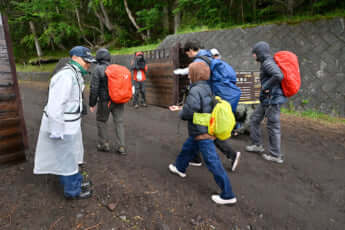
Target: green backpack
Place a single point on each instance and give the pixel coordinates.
(220, 122)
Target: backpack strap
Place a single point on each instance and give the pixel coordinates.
(204, 58)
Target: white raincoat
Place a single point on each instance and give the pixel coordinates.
(59, 147)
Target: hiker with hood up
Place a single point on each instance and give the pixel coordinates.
(200, 100)
(271, 99)
(193, 50)
(99, 95)
(139, 69)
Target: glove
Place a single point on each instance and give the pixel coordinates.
(184, 71)
(56, 136)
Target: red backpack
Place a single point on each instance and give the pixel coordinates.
(288, 64)
(119, 83)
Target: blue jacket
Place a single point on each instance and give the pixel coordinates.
(270, 76)
(198, 100)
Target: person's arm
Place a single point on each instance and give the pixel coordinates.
(192, 104)
(271, 69)
(184, 71)
(94, 87)
(59, 93)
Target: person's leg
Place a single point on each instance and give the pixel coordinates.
(136, 94)
(188, 152)
(225, 148)
(117, 111)
(255, 130)
(232, 156)
(102, 116)
(214, 165)
(71, 185)
(142, 91)
(273, 127)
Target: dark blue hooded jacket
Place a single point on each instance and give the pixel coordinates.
(270, 76)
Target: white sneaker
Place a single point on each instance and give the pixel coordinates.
(195, 163)
(279, 160)
(173, 169)
(255, 148)
(218, 200)
(235, 161)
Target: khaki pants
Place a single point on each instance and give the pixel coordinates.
(102, 116)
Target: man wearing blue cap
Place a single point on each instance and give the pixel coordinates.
(59, 147)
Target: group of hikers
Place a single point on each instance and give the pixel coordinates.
(59, 149)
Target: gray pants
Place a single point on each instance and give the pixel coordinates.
(139, 88)
(272, 113)
(102, 116)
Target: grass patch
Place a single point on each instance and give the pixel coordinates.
(35, 68)
(314, 115)
(132, 50)
(288, 20)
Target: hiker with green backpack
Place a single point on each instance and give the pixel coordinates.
(200, 100)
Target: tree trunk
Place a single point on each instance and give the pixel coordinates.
(131, 18)
(166, 18)
(254, 10)
(81, 28)
(106, 21)
(37, 44)
(290, 6)
(177, 18)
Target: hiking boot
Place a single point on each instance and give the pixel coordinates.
(86, 185)
(235, 161)
(121, 150)
(83, 195)
(173, 169)
(269, 157)
(103, 147)
(218, 200)
(255, 148)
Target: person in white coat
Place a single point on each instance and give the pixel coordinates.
(59, 148)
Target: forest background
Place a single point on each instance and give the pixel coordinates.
(51, 27)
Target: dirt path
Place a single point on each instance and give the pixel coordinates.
(307, 192)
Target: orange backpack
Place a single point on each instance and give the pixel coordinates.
(119, 83)
(288, 64)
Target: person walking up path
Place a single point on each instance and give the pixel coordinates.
(200, 100)
(271, 99)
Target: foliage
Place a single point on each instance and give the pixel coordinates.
(61, 24)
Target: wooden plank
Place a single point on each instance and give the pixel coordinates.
(7, 97)
(12, 157)
(10, 132)
(9, 122)
(10, 106)
(12, 144)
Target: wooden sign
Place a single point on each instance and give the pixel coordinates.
(13, 137)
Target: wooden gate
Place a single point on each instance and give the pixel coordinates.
(13, 138)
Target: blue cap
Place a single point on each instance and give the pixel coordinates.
(83, 52)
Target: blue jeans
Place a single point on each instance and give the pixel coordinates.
(191, 148)
(71, 184)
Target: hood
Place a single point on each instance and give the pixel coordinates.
(102, 55)
(206, 53)
(262, 51)
(199, 71)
